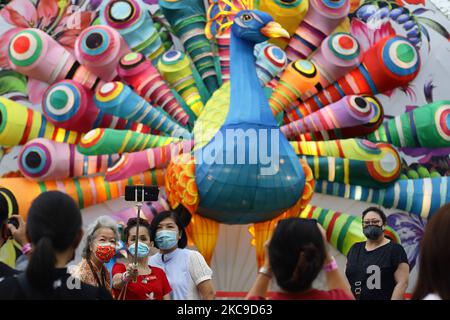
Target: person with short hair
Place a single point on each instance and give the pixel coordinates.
(377, 269)
(139, 281)
(54, 228)
(433, 282)
(99, 248)
(295, 255)
(187, 271)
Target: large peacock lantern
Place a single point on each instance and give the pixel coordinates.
(241, 126)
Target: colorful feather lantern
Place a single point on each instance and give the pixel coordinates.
(19, 124)
(42, 159)
(119, 100)
(356, 149)
(338, 54)
(130, 164)
(419, 196)
(391, 63)
(135, 70)
(69, 105)
(110, 141)
(176, 69)
(35, 54)
(372, 174)
(99, 48)
(427, 126)
(322, 18)
(350, 111)
(270, 61)
(298, 78)
(134, 23)
(351, 132)
(187, 18)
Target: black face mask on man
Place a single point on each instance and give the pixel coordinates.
(373, 232)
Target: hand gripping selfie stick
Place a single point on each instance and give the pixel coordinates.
(139, 194)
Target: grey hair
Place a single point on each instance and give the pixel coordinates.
(100, 222)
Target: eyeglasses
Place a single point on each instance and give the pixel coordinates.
(371, 222)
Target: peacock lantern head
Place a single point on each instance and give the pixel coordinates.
(256, 26)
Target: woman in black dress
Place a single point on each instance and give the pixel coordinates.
(377, 269)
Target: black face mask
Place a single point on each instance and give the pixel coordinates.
(373, 232)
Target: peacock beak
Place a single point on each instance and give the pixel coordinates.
(274, 30)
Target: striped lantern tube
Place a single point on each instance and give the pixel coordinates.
(419, 196)
(188, 21)
(19, 124)
(138, 72)
(69, 105)
(353, 131)
(135, 25)
(175, 67)
(298, 77)
(110, 141)
(393, 62)
(130, 164)
(35, 54)
(42, 159)
(356, 149)
(350, 111)
(322, 18)
(99, 48)
(270, 61)
(338, 54)
(119, 100)
(427, 126)
(372, 174)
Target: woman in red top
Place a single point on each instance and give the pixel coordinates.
(139, 282)
(295, 255)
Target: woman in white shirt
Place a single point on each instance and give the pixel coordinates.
(187, 271)
(433, 282)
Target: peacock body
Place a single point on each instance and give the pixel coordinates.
(233, 129)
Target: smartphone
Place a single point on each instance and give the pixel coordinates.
(141, 193)
(15, 223)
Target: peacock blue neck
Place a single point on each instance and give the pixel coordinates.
(248, 103)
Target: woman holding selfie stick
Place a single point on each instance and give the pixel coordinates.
(137, 280)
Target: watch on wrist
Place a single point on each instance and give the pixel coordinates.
(265, 271)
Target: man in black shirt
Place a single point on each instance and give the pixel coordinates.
(378, 268)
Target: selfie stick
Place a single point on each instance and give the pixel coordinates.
(139, 206)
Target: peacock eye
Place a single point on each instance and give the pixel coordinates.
(246, 17)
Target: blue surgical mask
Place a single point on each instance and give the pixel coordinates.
(166, 239)
(142, 252)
